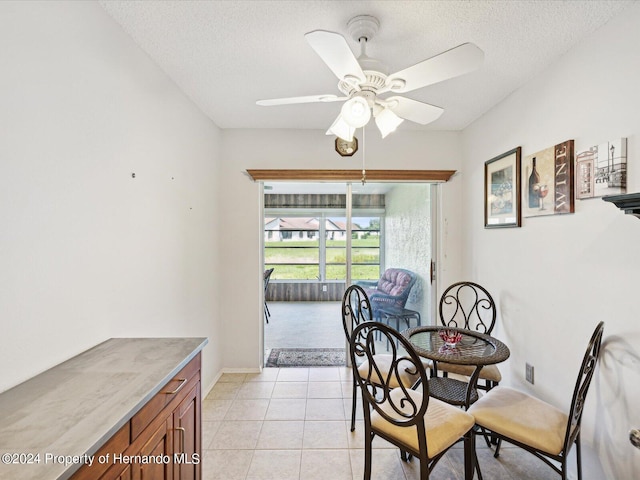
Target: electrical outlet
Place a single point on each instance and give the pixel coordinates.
(324, 288)
(529, 373)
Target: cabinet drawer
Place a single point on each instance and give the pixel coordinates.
(178, 386)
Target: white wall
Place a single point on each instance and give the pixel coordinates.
(86, 251)
(557, 277)
(297, 149)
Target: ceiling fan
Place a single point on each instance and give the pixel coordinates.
(364, 81)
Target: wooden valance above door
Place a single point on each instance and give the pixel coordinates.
(437, 176)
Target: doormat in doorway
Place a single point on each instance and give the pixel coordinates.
(306, 357)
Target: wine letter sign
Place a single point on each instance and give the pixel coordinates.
(563, 181)
(548, 180)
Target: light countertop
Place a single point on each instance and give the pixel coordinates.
(73, 408)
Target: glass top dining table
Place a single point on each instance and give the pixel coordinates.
(474, 349)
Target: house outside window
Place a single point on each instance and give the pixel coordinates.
(318, 253)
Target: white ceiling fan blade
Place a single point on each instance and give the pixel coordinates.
(305, 99)
(335, 52)
(459, 60)
(413, 110)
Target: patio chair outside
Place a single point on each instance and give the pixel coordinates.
(267, 276)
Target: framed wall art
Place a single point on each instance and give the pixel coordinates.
(502, 190)
(548, 180)
(602, 170)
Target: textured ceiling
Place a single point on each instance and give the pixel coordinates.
(225, 55)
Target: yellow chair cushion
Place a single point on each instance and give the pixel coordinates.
(523, 418)
(488, 372)
(383, 363)
(444, 424)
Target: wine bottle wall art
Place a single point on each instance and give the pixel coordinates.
(548, 181)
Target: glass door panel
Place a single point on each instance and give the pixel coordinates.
(392, 229)
(321, 237)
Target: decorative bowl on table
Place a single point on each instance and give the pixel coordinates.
(450, 337)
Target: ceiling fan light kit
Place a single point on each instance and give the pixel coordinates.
(340, 128)
(387, 121)
(356, 112)
(364, 81)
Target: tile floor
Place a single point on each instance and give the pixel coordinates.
(293, 424)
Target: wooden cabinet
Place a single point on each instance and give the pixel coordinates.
(160, 447)
(118, 472)
(162, 441)
(186, 424)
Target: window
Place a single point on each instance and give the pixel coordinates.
(365, 248)
(319, 251)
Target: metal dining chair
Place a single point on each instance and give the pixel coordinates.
(421, 426)
(356, 309)
(470, 306)
(536, 426)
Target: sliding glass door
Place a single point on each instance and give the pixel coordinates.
(320, 237)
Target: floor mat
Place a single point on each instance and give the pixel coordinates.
(306, 357)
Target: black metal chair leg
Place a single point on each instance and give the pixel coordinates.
(470, 457)
(497, 452)
(367, 456)
(579, 456)
(354, 394)
(487, 437)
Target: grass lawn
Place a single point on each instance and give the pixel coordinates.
(298, 260)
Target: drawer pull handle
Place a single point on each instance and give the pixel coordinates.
(182, 382)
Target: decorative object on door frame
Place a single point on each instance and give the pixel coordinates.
(502, 190)
(547, 180)
(602, 170)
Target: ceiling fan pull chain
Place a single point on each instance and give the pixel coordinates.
(364, 149)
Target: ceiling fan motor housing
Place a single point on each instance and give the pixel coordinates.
(362, 29)
(374, 82)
